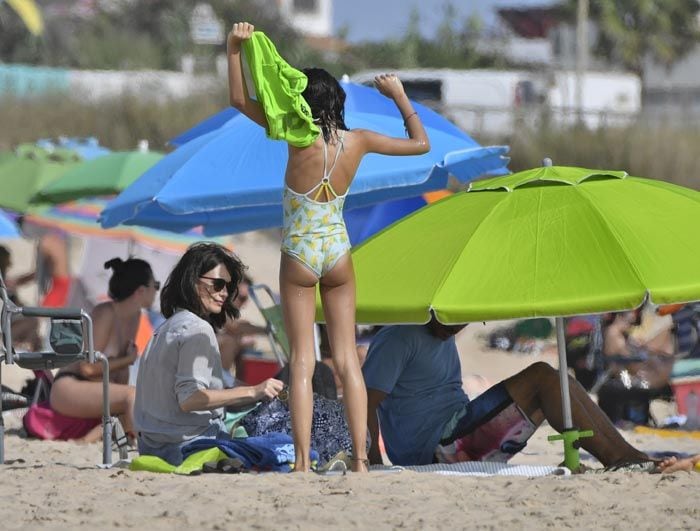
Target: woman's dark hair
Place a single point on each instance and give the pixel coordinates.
(326, 98)
(180, 290)
(127, 276)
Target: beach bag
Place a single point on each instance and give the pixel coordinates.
(329, 427)
(44, 423)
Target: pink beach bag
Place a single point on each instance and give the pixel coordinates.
(44, 423)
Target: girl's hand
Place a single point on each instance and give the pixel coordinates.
(389, 85)
(241, 31)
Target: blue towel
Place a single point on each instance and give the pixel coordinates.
(273, 451)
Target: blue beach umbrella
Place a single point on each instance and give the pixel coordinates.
(230, 179)
(8, 227)
(366, 221)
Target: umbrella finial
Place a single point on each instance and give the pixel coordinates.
(546, 162)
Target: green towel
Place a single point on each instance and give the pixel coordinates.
(278, 87)
(193, 463)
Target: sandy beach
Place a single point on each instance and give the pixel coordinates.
(57, 484)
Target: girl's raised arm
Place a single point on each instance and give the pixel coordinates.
(417, 142)
(238, 90)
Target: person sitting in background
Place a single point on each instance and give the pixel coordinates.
(639, 360)
(25, 330)
(237, 336)
(415, 394)
(180, 395)
(77, 388)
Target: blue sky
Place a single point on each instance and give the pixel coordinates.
(376, 20)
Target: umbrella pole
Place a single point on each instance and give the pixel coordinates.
(571, 434)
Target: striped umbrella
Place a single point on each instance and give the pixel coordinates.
(80, 218)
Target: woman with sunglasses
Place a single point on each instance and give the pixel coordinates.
(179, 389)
(77, 388)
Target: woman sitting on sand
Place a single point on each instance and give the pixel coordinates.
(77, 388)
(179, 390)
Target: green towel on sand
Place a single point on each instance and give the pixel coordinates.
(194, 463)
(278, 87)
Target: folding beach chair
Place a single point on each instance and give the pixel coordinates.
(272, 313)
(68, 344)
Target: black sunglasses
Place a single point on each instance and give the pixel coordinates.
(219, 284)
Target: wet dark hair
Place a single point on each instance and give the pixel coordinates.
(326, 98)
(127, 277)
(180, 290)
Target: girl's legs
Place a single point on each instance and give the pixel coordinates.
(81, 399)
(338, 297)
(298, 294)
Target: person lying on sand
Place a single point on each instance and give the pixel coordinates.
(415, 392)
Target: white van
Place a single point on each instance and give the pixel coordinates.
(496, 102)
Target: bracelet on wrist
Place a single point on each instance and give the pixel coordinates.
(414, 113)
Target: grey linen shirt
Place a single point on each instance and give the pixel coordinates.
(182, 358)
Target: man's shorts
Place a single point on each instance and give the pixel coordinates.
(489, 428)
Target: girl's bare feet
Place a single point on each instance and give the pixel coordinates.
(360, 464)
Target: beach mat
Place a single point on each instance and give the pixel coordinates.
(480, 468)
(667, 432)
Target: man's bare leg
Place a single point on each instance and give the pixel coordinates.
(536, 390)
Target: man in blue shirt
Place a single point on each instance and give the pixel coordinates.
(414, 391)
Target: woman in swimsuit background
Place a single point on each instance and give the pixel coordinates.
(316, 248)
(77, 388)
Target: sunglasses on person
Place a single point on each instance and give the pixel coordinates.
(219, 284)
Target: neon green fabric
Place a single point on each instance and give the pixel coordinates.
(552, 241)
(278, 87)
(194, 463)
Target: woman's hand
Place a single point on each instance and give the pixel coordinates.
(241, 31)
(132, 352)
(268, 389)
(389, 85)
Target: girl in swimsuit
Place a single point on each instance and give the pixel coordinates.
(77, 388)
(315, 248)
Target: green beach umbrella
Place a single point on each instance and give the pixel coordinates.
(548, 242)
(105, 175)
(27, 171)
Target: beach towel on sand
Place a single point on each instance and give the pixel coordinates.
(270, 452)
(278, 88)
(273, 452)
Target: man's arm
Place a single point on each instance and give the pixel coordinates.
(374, 398)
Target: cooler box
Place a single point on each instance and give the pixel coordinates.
(256, 368)
(684, 379)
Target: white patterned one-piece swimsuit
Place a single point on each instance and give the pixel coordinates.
(313, 232)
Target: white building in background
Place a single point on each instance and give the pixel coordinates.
(310, 17)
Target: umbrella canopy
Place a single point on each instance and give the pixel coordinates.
(8, 227)
(29, 170)
(236, 166)
(367, 221)
(80, 218)
(552, 241)
(105, 175)
(87, 148)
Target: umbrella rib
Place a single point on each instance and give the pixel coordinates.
(491, 212)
